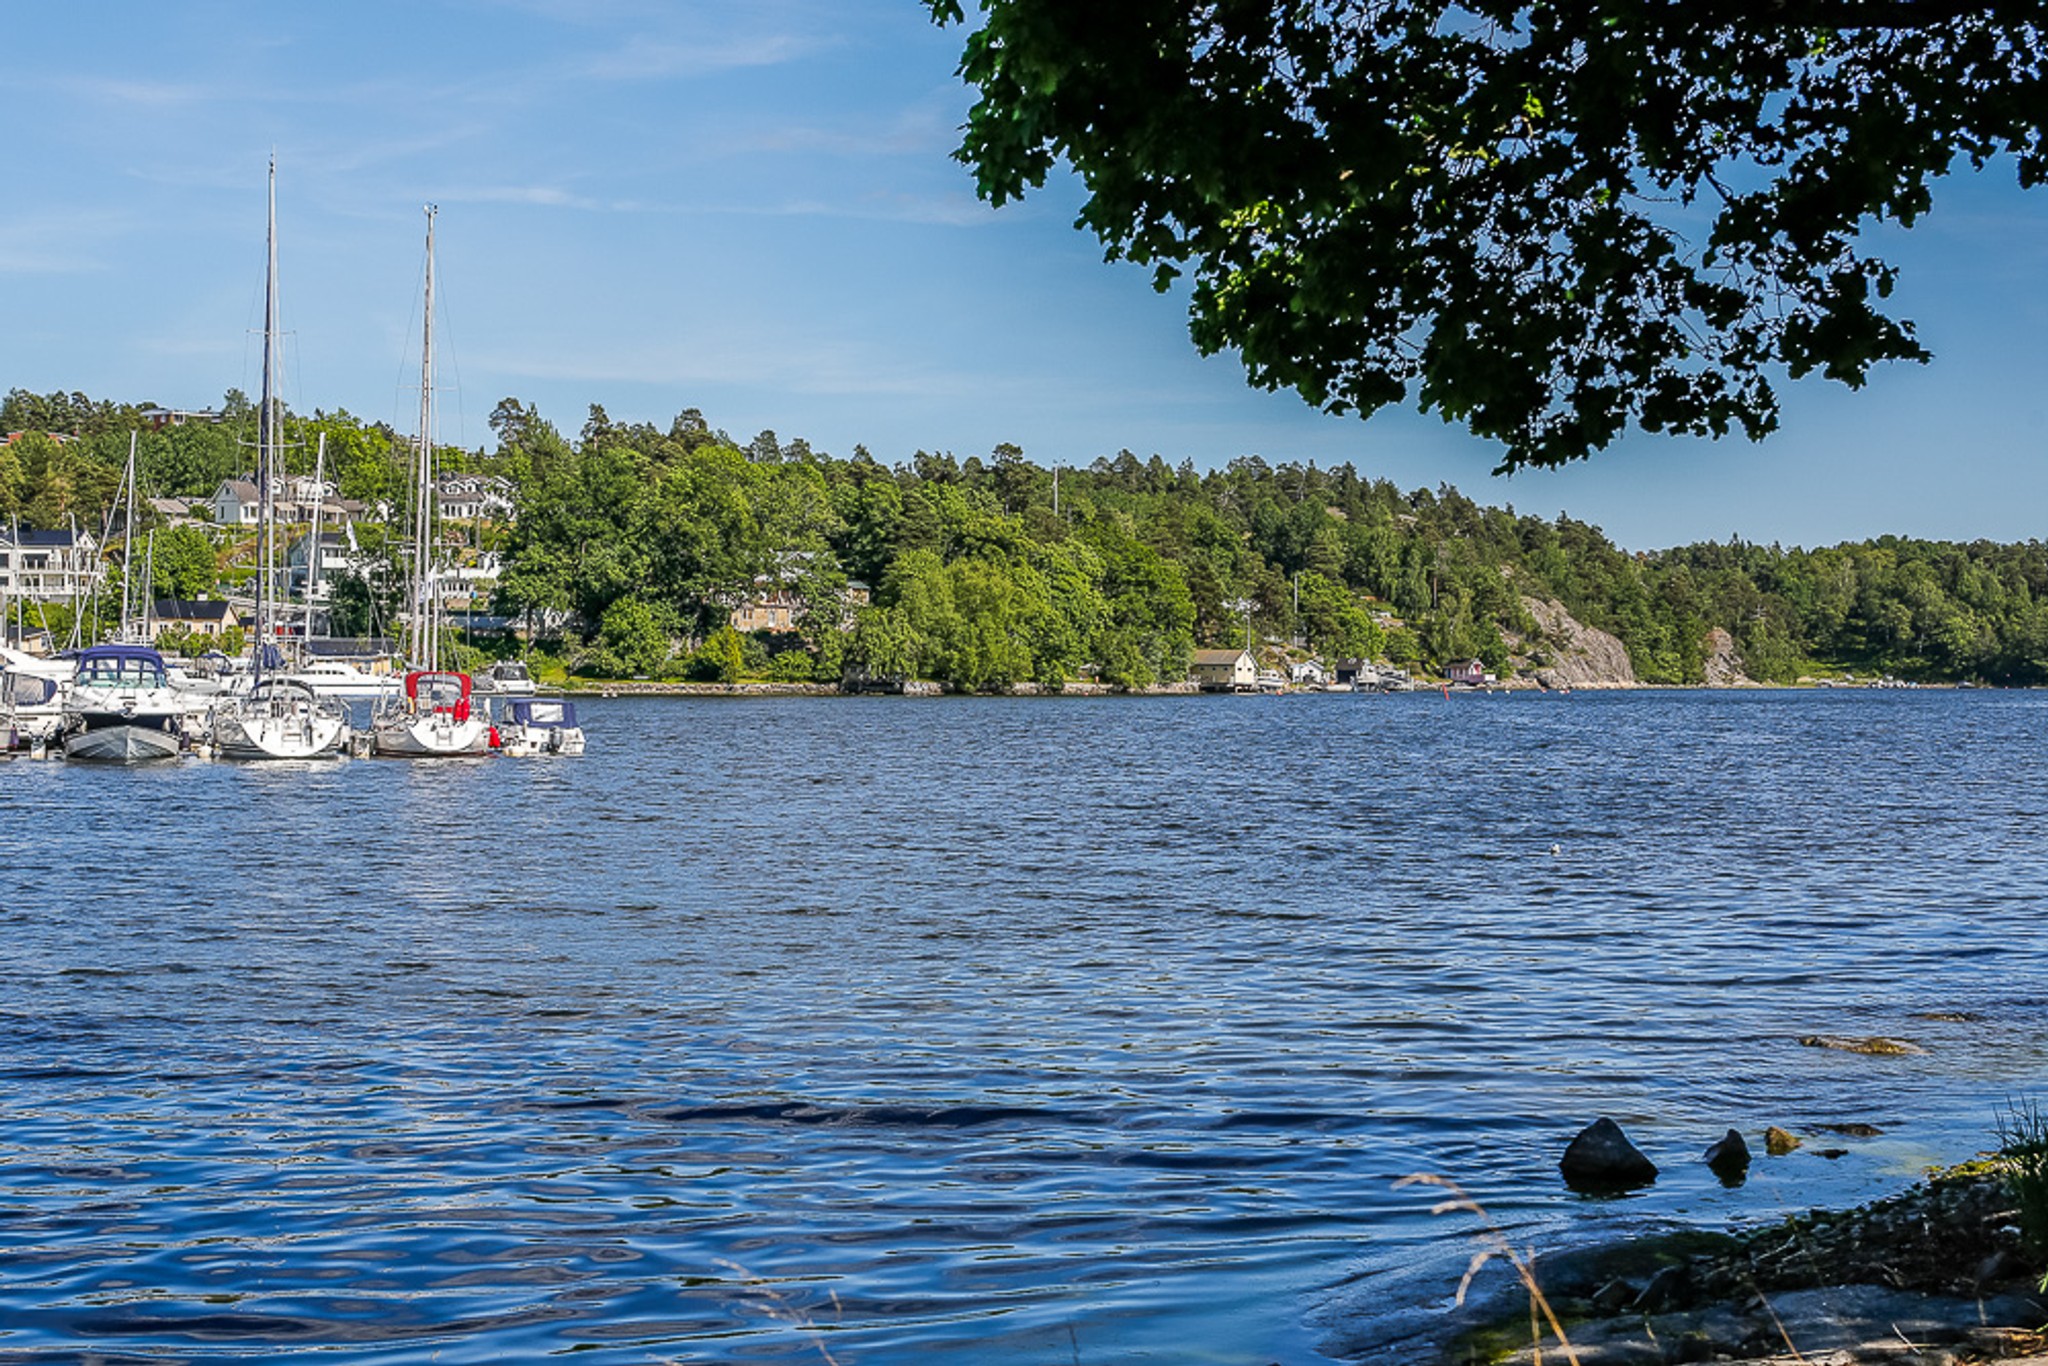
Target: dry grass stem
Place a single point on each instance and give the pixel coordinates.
(1493, 1243)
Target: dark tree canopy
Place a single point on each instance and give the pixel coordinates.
(1545, 222)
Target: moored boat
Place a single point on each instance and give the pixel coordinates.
(274, 717)
(539, 725)
(278, 718)
(435, 716)
(120, 707)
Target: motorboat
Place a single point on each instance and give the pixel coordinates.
(506, 678)
(279, 718)
(345, 682)
(435, 716)
(121, 708)
(539, 725)
(31, 699)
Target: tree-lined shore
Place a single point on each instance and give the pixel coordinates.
(638, 541)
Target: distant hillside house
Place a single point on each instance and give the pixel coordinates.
(176, 511)
(48, 566)
(1470, 671)
(1225, 670)
(236, 503)
(472, 497)
(337, 556)
(768, 608)
(160, 418)
(200, 616)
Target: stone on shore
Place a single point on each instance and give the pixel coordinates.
(1602, 1160)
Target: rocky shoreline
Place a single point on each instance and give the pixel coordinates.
(1934, 1276)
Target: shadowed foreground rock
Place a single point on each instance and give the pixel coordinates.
(1934, 1277)
(1601, 1159)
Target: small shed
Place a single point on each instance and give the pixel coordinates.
(1225, 670)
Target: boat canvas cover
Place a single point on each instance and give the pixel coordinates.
(133, 665)
(541, 711)
(25, 690)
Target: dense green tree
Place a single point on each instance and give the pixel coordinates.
(1543, 221)
(183, 563)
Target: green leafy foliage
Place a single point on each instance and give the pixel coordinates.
(1545, 222)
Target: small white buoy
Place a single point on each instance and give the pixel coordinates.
(1555, 850)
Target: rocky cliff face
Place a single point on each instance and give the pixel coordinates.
(1724, 666)
(1575, 655)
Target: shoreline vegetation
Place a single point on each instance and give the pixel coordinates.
(686, 555)
(1944, 1272)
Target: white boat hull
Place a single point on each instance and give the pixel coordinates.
(430, 736)
(122, 744)
(279, 737)
(527, 741)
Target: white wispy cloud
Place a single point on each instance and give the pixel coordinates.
(643, 58)
(68, 243)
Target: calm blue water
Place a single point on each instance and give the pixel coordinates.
(1013, 1031)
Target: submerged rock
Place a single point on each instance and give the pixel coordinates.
(1729, 1158)
(1877, 1046)
(1601, 1159)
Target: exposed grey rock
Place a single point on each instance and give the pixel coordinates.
(1729, 1158)
(1602, 1159)
(1578, 656)
(1724, 665)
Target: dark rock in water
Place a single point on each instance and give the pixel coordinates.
(1602, 1159)
(1777, 1142)
(1730, 1158)
(1948, 1016)
(1831, 1153)
(1852, 1130)
(1879, 1047)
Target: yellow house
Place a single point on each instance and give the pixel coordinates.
(1226, 670)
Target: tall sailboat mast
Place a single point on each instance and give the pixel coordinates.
(424, 648)
(266, 447)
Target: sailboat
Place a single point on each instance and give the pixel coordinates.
(436, 714)
(276, 717)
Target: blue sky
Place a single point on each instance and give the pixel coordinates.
(750, 209)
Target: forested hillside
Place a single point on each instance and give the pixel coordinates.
(993, 569)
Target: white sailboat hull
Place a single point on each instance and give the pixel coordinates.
(312, 736)
(429, 736)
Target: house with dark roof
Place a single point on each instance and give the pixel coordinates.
(199, 616)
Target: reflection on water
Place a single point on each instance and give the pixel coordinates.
(974, 1030)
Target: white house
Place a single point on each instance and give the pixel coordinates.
(236, 503)
(338, 555)
(48, 566)
(472, 497)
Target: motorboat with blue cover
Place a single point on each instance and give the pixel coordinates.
(121, 707)
(539, 725)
